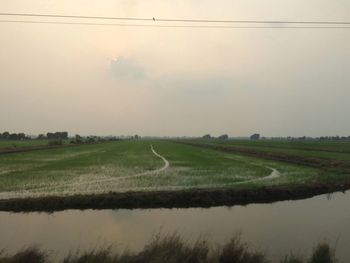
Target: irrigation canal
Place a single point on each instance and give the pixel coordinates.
(277, 228)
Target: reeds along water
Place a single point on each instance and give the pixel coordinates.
(173, 249)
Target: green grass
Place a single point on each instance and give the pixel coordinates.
(198, 167)
(120, 166)
(74, 165)
(339, 150)
(336, 146)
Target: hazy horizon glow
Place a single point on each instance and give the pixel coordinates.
(176, 81)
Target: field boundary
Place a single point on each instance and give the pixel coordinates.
(42, 147)
(205, 197)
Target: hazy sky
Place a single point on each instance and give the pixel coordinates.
(176, 81)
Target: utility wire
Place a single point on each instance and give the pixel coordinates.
(169, 26)
(79, 17)
(179, 20)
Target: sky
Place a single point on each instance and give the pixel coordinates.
(110, 80)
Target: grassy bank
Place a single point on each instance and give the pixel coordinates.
(172, 249)
(208, 197)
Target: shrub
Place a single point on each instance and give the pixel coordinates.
(323, 254)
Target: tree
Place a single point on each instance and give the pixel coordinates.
(57, 135)
(91, 139)
(6, 135)
(223, 137)
(207, 136)
(21, 136)
(78, 139)
(255, 136)
(41, 137)
(62, 135)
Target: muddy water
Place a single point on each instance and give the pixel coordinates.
(275, 228)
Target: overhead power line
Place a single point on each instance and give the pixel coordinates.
(179, 20)
(77, 17)
(171, 25)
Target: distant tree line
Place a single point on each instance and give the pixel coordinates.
(77, 139)
(63, 135)
(13, 136)
(305, 138)
(256, 136)
(333, 138)
(58, 138)
(22, 136)
(221, 137)
(57, 135)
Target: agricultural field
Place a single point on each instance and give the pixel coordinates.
(144, 165)
(11, 144)
(318, 149)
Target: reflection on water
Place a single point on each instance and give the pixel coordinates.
(277, 228)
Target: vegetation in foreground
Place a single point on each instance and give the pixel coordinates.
(172, 249)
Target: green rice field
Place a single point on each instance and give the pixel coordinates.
(146, 165)
(308, 148)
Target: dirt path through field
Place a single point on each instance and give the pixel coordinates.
(274, 174)
(166, 162)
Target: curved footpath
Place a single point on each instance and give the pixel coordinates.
(273, 175)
